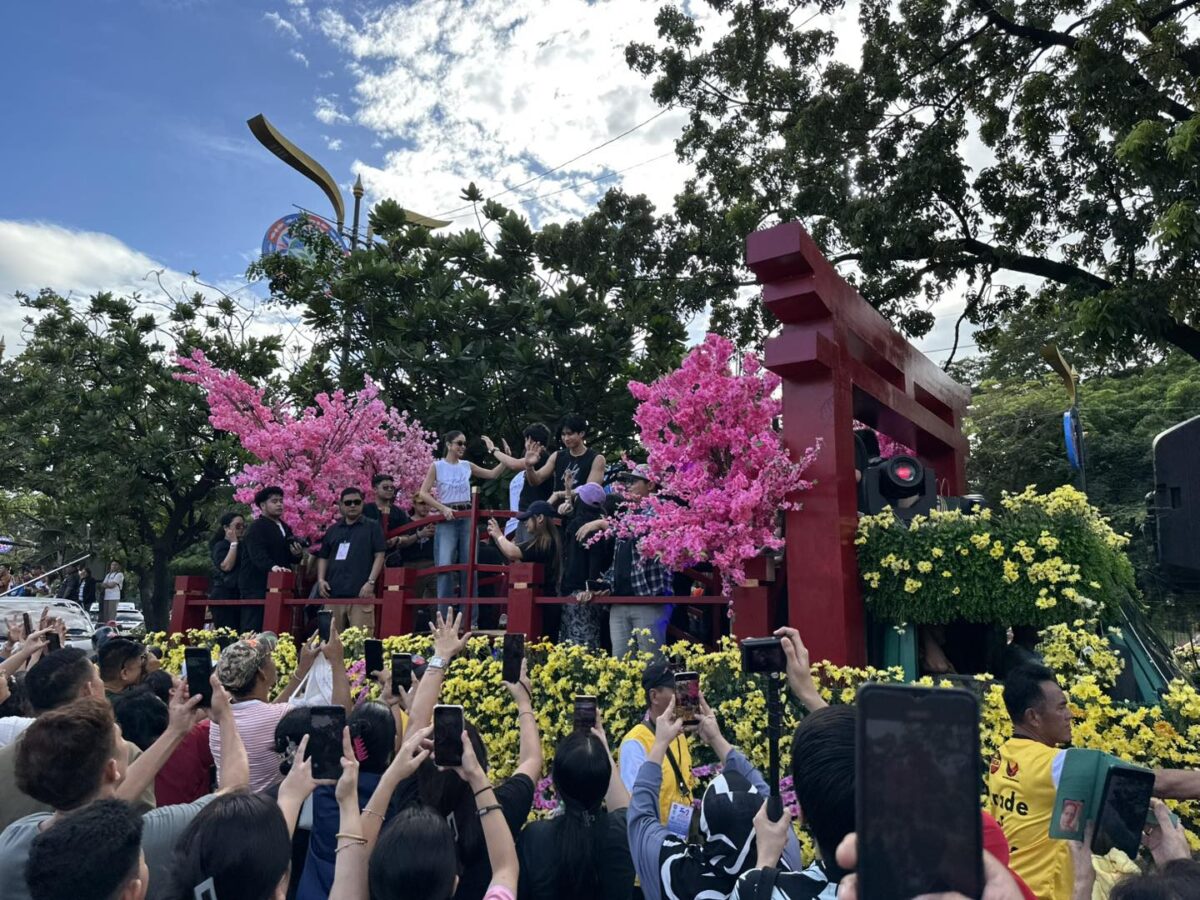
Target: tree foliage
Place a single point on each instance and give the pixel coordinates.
(98, 429)
(988, 138)
(489, 328)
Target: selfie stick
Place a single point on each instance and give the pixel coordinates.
(774, 728)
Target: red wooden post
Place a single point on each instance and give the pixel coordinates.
(399, 587)
(841, 360)
(751, 600)
(468, 576)
(187, 606)
(524, 612)
(276, 617)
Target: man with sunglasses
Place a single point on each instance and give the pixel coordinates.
(350, 560)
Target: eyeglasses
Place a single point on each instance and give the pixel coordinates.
(351, 503)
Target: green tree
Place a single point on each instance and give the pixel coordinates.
(100, 431)
(1047, 139)
(490, 328)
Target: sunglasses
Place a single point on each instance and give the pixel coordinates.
(459, 443)
(351, 503)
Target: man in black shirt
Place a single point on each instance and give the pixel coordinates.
(269, 546)
(390, 517)
(350, 561)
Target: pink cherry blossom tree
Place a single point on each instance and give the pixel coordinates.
(721, 467)
(340, 442)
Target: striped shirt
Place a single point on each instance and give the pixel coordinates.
(256, 723)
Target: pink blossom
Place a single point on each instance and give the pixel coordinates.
(887, 446)
(721, 466)
(340, 442)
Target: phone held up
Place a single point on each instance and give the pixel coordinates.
(326, 724)
(53, 641)
(402, 672)
(1124, 811)
(687, 698)
(373, 655)
(763, 655)
(514, 654)
(917, 792)
(584, 716)
(447, 734)
(324, 624)
(198, 663)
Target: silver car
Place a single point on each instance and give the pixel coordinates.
(79, 625)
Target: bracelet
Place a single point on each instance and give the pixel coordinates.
(367, 811)
(350, 837)
(482, 789)
(528, 713)
(351, 844)
(483, 811)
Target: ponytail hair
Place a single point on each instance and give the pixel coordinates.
(581, 772)
(545, 536)
(450, 436)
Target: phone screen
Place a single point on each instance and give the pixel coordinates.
(53, 641)
(373, 655)
(198, 661)
(324, 620)
(514, 652)
(687, 697)
(402, 672)
(325, 740)
(917, 792)
(585, 713)
(28, 623)
(447, 735)
(1123, 811)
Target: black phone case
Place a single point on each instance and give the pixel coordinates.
(447, 748)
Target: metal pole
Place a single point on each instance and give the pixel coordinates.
(774, 730)
(346, 317)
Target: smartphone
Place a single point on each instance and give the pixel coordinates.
(514, 653)
(198, 662)
(585, 712)
(324, 622)
(402, 672)
(325, 726)
(447, 735)
(373, 655)
(53, 641)
(687, 698)
(917, 792)
(763, 655)
(1124, 811)
(28, 623)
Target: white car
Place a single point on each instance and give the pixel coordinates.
(79, 626)
(128, 618)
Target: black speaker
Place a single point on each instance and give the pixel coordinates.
(1177, 503)
(902, 483)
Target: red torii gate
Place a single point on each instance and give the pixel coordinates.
(840, 360)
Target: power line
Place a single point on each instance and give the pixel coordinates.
(529, 181)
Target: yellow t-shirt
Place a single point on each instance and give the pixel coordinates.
(670, 792)
(1021, 788)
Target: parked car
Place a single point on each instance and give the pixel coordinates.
(79, 626)
(129, 618)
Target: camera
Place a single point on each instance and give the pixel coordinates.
(763, 655)
(302, 542)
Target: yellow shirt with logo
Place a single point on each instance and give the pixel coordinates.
(670, 792)
(1021, 786)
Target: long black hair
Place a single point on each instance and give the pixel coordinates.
(241, 842)
(545, 537)
(373, 733)
(414, 858)
(581, 772)
(222, 524)
(448, 794)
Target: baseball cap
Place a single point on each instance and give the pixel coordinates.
(240, 662)
(641, 470)
(590, 493)
(658, 675)
(537, 508)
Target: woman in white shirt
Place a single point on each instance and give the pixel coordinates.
(452, 539)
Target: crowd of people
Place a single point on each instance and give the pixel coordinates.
(564, 516)
(67, 583)
(114, 783)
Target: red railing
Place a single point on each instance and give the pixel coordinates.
(518, 590)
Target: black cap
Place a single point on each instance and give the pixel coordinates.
(537, 508)
(658, 675)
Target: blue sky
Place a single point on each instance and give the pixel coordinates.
(126, 147)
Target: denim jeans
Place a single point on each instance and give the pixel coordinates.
(626, 619)
(451, 545)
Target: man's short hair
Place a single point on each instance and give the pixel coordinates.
(92, 852)
(350, 492)
(538, 431)
(142, 715)
(115, 653)
(57, 678)
(266, 494)
(1023, 689)
(574, 422)
(823, 774)
(62, 754)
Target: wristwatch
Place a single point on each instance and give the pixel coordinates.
(437, 663)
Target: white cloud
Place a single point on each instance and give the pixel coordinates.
(332, 143)
(299, 57)
(282, 24)
(327, 111)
